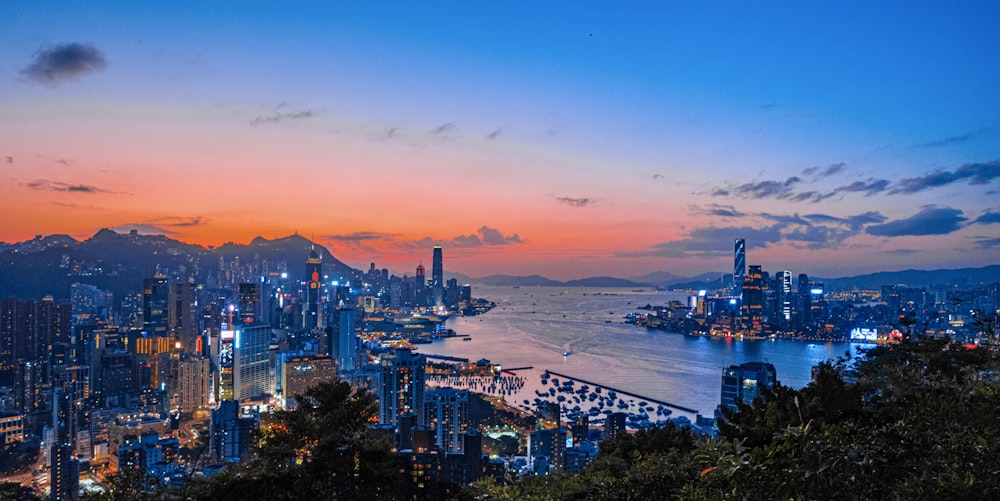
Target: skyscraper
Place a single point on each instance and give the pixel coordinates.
(182, 315)
(437, 277)
(744, 383)
(739, 268)
(401, 385)
(314, 278)
(251, 362)
(785, 279)
(250, 304)
(753, 301)
(447, 411)
(344, 345)
(155, 296)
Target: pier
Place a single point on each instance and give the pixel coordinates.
(653, 400)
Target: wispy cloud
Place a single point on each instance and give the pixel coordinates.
(46, 185)
(821, 172)
(716, 210)
(975, 173)
(988, 243)
(988, 218)
(361, 236)
(493, 135)
(810, 231)
(444, 128)
(931, 220)
(179, 222)
(869, 187)
(574, 202)
(953, 140)
(280, 116)
(68, 61)
(483, 237)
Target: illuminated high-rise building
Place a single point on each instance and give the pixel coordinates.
(753, 298)
(401, 386)
(446, 410)
(785, 283)
(744, 383)
(314, 281)
(250, 303)
(739, 268)
(437, 277)
(344, 344)
(155, 307)
(420, 290)
(182, 314)
(251, 361)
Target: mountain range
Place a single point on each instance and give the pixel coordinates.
(47, 265)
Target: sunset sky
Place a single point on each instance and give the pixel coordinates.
(565, 139)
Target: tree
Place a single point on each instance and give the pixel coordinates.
(323, 449)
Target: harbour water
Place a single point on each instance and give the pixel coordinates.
(580, 332)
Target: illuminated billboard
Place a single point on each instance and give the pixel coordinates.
(864, 334)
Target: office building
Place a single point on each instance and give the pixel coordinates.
(301, 373)
(344, 343)
(401, 385)
(182, 313)
(739, 269)
(251, 362)
(155, 306)
(312, 317)
(232, 432)
(744, 383)
(437, 277)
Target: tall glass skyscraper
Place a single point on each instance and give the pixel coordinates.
(251, 361)
(437, 277)
(739, 268)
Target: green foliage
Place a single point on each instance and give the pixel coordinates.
(920, 422)
(323, 449)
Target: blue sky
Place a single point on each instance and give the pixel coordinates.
(632, 139)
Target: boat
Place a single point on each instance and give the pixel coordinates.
(466, 339)
(567, 353)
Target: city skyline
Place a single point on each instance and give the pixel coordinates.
(561, 142)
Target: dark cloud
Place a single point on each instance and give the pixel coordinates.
(179, 222)
(829, 170)
(711, 241)
(45, 185)
(812, 231)
(574, 202)
(810, 196)
(64, 62)
(279, 116)
(493, 135)
(855, 222)
(901, 252)
(975, 173)
(484, 237)
(143, 229)
(931, 220)
(717, 210)
(869, 187)
(657, 176)
(767, 189)
(360, 236)
(988, 243)
(988, 218)
(10, 159)
(443, 128)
